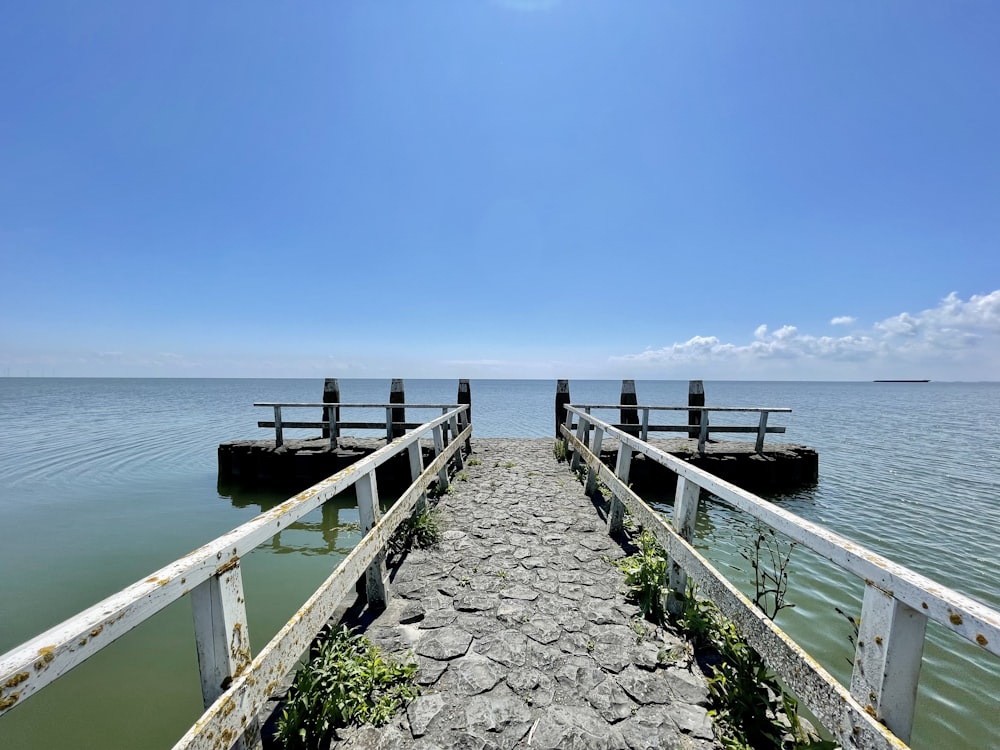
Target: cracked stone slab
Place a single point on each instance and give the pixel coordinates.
(471, 675)
(438, 618)
(542, 630)
(613, 703)
(520, 592)
(646, 687)
(574, 727)
(475, 601)
(444, 644)
(421, 712)
(509, 647)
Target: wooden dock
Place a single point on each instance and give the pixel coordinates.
(755, 465)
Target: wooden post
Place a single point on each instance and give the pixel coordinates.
(696, 397)
(222, 638)
(438, 433)
(628, 397)
(279, 438)
(761, 431)
(465, 397)
(616, 510)
(369, 513)
(416, 456)
(595, 448)
(562, 398)
(331, 395)
(685, 514)
(397, 395)
(887, 661)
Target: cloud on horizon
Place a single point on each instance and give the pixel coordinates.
(944, 340)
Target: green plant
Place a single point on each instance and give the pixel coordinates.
(346, 681)
(438, 489)
(474, 462)
(559, 449)
(420, 531)
(770, 571)
(646, 573)
(748, 702)
(462, 476)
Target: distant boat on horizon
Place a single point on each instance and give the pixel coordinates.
(902, 381)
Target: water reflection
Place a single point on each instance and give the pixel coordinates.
(334, 527)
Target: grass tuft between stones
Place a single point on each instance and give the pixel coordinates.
(348, 680)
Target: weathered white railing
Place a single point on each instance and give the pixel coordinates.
(235, 685)
(393, 425)
(702, 430)
(897, 601)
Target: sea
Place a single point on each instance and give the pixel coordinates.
(103, 481)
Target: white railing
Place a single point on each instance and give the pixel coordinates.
(701, 429)
(235, 685)
(394, 424)
(897, 601)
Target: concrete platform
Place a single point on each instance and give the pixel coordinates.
(782, 467)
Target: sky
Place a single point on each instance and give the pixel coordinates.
(501, 188)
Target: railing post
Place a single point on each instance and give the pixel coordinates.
(331, 415)
(569, 428)
(703, 432)
(388, 424)
(438, 450)
(453, 424)
(562, 398)
(628, 398)
(416, 469)
(397, 395)
(616, 510)
(465, 397)
(696, 397)
(369, 513)
(645, 424)
(581, 432)
(887, 660)
(685, 515)
(761, 430)
(221, 637)
(595, 448)
(279, 438)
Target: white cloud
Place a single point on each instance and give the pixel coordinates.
(958, 339)
(842, 320)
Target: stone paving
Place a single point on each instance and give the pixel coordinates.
(522, 629)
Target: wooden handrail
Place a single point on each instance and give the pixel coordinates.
(213, 578)
(897, 604)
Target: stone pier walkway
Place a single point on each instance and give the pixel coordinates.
(522, 628)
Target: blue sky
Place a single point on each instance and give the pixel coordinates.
(516, 188)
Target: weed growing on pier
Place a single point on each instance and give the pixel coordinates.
(438, 489)
(646, 574)
(770, 572)
(474, 462)
(559, 449)
(346, 681)
(420, 531)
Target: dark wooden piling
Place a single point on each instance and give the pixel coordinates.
(696, 397)
(331, 395)
(628, 397)
(397, 395)
(562, 398)
(465, 397)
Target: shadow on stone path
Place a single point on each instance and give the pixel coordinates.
(522, 629)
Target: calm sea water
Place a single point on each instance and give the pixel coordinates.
(103, 481)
